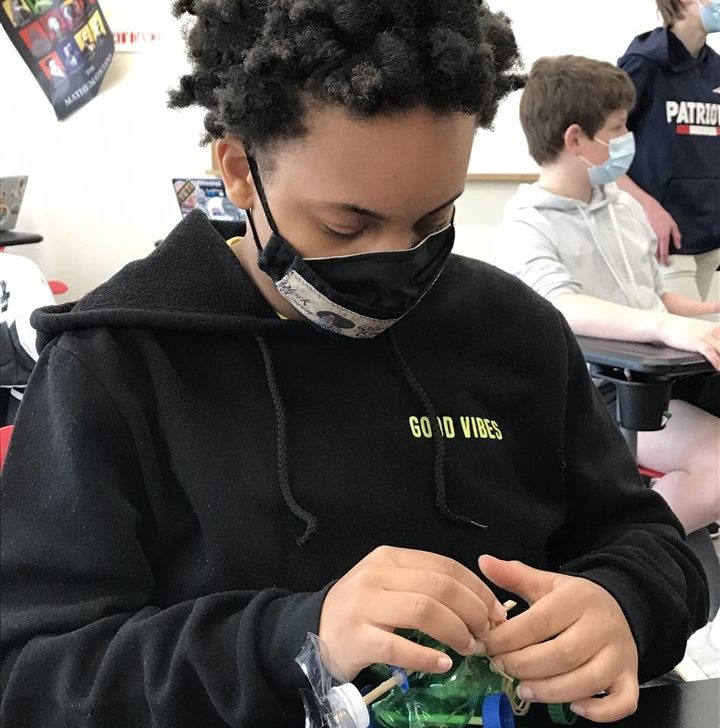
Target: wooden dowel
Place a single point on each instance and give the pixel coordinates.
(395, 680)
(381, 689)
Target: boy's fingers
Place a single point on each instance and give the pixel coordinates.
(677, 237)
(425, 560)
(545, 620)
(407, 610)
(391, 649)
(567, 652)
(594, 677)
(621, 701)
(450, 592)
(514, 576)
(709, 352)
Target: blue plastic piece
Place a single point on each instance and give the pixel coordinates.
(497, 712)
(405, 684)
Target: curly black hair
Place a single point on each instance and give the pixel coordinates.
(259, 65)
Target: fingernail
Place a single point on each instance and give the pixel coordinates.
(480, 648)
(471, 649)
(499, 612)
(444, 663)
(525, 693)
(578, 710)
(498, 664)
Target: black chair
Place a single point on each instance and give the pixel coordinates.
(643, 375)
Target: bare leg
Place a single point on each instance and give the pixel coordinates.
(688, 452)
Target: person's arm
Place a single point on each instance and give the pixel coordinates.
(682, 306)
(641, 73)
(591, 316)
(624, 536)
(83, 642)
(661, 221)
(622, 593)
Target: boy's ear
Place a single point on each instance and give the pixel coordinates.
(572, 138)
(234, 169)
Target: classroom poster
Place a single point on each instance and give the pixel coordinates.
(66, 44)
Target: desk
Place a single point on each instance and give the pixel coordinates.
(643, 374)
(686, 705)
(642, 358)
(15, 238)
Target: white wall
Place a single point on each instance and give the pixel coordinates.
(556, 27)
(100, 188)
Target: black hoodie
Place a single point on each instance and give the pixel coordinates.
(189, 473)
(676, 121)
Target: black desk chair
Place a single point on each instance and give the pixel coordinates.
(9, 237)
(643, 375)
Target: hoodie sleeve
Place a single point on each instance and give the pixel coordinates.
(641, 73)
(532, 256)
(83, 642)
(622, 535)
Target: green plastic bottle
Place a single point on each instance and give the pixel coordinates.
(470, 693)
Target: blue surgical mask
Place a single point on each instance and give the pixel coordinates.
(710, 16)
(622, 153)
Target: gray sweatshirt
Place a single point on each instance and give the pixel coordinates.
(559, 245)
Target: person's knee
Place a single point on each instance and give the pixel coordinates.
(705, 471)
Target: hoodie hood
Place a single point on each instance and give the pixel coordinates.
(165, 292)
(535, 197)
(662, 47)
(161, 291)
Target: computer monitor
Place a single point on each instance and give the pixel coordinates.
(12, 191)
(207, 194)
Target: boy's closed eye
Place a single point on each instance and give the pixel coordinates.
(427, 226)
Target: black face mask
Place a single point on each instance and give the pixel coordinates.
(358, 296)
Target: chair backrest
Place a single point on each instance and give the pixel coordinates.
(5, 433)
(58, 287)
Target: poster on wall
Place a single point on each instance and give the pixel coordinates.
(66, 44)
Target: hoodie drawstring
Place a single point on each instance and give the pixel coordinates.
(439, 462)
(621, 246)
(282, 451)
(283, 474)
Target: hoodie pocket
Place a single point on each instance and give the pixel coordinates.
(695, 205)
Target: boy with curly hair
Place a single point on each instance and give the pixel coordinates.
(321, 422)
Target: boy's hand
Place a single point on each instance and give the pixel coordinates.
(573, 643)
(664, 227)
(394, 588)
(693, 335)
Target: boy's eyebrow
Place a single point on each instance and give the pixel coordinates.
(364, 212)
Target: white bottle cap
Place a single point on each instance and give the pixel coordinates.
(348, 706)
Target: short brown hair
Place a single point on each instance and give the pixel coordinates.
(670, 10)
(566, 90)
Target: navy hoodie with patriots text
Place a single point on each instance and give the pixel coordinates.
(676, 121)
